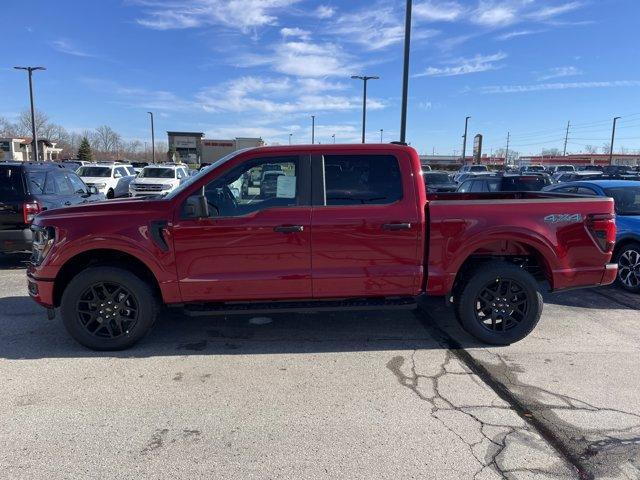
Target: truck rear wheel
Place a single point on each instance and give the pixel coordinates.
(108, 308)
(500, 304)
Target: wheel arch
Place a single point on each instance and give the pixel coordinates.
(102, 257)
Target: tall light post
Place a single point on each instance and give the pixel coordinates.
(464, 141)
(290, 135)
(364, 79)
(313, 129)
(613, 137)
(34, 135)
(405, 74)
(153, 140)
(381, 130)
(334, 137)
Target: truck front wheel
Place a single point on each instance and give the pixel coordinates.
(500, 304)
(108, 308)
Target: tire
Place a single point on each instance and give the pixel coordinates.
(85, 303)
(110, 194)
(494, 321)
(628, 260)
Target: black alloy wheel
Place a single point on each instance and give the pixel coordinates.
(107, 310)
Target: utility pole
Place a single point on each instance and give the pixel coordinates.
(364, 79)
(334, 137)
(290, 135)
(464, 141)
(381, 131)
(153, 140)
(313, 129)
(405, 74)
(506, 155)
(566, 138)
(34, 134)
(613, 137)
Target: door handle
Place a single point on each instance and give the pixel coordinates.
(288, 228)
(396, 226)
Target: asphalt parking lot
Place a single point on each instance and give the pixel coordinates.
(370, 395)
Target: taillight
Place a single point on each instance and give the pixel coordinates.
(603, 230)
(29, 211)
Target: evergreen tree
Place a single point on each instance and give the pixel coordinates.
(84, 152)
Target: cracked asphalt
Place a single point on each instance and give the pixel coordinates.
(371, 395)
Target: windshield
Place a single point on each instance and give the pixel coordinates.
(626, 199)
(437, 178)
(94, 171)
(478, 168)
(524, 184)
(191, 180)
(155, 172)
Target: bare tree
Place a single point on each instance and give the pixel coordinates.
(7, 129)
(551, 152)
(591, 149)
(106, 139)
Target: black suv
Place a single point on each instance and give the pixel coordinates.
(29, 188)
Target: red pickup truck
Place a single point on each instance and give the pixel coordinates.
(330, 227)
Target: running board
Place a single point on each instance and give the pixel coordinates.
(308, 306)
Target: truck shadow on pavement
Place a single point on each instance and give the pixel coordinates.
(27, 334)
(605, 298)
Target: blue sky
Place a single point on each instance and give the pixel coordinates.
(262, 67)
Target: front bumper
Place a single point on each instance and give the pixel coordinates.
(41, 290)
(15, 240)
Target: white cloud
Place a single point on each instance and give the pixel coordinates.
(324, 11)
(303, 59)
(560, 72)
(518, 33)
(431, 11)
(557, 86)
(241, 14)
(489, 14)
(374, 29)
(295, 32)
(546, 13)
(65, 46)
(464, 66)
(279, 96)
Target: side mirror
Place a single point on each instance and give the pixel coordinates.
(117, 175)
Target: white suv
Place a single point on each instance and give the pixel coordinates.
(158, 180)
(112, 179)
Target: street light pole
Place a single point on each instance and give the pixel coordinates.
(364, 79)
(34, 134)
(153, 140)
(613, 137)
(290, 135)
(334, 137)
(313, 129)
(464, 141)
(405, 75)
(381, 135)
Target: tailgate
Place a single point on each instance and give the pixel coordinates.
(12, 194)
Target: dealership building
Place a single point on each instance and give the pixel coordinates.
(192, 147)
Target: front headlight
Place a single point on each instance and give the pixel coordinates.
(43, 240)
(99, 185)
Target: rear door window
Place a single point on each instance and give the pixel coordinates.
(362, 179)
(11, 183)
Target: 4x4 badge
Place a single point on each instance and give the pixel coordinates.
(563, 218)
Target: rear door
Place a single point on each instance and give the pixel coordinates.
(365, 226)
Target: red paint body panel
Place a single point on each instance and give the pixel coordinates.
(342, 251)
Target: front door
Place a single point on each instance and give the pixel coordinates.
(366, 229)
(255, 245)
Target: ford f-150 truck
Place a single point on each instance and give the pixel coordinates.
(343, 226)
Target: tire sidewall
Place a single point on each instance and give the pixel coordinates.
(629, 246)
(147, 307)
(488, 273)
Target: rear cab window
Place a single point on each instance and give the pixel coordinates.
(362, 179)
